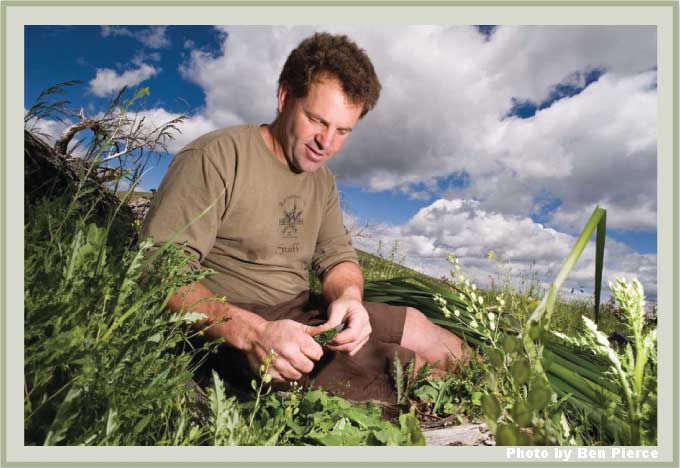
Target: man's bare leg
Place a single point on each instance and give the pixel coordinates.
(432, 343)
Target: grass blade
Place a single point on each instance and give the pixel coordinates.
(544, 309)
(599, 260)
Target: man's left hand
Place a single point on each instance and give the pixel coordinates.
(357, 329)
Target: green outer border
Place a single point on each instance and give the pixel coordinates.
(3, 236)
(3, 205)
(676, 232)
(343, 3)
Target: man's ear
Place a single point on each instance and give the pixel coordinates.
(281, 98)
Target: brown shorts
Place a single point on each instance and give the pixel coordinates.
(368, 375)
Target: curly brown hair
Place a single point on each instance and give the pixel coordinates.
(337, 56)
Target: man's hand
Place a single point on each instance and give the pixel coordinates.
(293, 344)
(357, 329)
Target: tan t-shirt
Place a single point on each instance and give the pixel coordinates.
(263, 224)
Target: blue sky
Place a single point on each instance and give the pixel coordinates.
(511, 135)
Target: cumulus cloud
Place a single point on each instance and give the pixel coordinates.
(47, 129)
(154, 37)
(527, 249)
(446, 94)
(191, 128)
(108, 82)
(598, 147)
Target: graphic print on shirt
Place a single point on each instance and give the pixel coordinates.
(290, 221)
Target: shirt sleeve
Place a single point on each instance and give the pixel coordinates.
(334, 243)
(188, 206)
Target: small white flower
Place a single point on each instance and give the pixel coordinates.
(481, 300)
(473, 296)
(456, 313)
(473, 324)
(502, 303)
(491, 316)
(474, 287)
(492, 325)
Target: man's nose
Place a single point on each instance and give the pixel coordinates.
(324, 139)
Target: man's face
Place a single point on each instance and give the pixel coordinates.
(316, 126)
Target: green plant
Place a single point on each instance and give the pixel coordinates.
(407, 379)
(103, 358)
(324, 337)
(635, 369)
(539, 383)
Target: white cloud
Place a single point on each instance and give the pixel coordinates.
(47, 129)
(191, 128)
(527, 248)
(108, 82)
(124, 185)
(598, 147)
(153, 37)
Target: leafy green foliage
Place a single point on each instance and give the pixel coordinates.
(103, 358)
(330, 420)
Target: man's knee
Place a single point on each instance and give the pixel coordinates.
(417, 329)
(430, 340)
(414, 317)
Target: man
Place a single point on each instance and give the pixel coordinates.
(261, 207)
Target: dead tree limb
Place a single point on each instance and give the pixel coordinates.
(61, 146)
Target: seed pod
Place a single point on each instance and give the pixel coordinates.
(512, 322)
(521, 413)
(510, 343)
(538, 398)
(491, 407)
(535, 331)
(496, 357)
(506, 435)
(520, 371)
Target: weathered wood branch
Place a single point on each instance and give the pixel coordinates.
(61, 146)
(464, 434)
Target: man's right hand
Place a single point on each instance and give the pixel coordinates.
(291, 341)
(295, 349)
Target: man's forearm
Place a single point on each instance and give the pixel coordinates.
(237, 326)
(344, 279)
